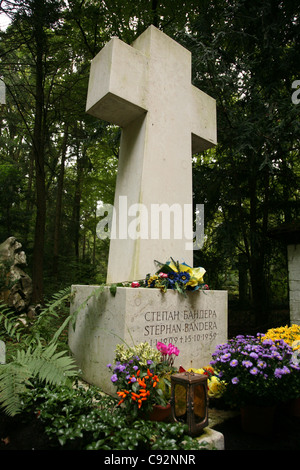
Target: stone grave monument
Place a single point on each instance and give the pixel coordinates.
(146, 89)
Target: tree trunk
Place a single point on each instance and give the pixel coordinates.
(29, 198)
(60, 185)
(77, 205)
(81, 160)
(38, 152)
(259, 291)
(243, 280)
(76, 211)
(257, 258)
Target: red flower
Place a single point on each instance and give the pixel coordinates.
(135, 284)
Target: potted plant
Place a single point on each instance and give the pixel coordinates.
(259, 374)
(291, 336)
(141, 375)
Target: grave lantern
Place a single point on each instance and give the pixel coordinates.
(189, 401)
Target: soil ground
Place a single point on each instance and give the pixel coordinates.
(285, 436)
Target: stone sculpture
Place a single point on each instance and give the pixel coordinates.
(15, 284)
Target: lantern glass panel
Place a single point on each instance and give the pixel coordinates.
(199, 403)
(180, 402)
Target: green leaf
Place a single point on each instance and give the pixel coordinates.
(113, 289)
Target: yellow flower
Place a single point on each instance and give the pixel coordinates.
(195, 273)
(289, 334)
(152, 279)
(215, 387)
(196, 277)
(182, 267)
(214, 384)
(196, 371)
(198, 273)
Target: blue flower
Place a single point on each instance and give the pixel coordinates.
(184, 277)
(114, 378)
(235, 380)
(172, 277)
(234, 363)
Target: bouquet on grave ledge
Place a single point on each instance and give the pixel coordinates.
(257, 370)
(142, 376)
(176, 276)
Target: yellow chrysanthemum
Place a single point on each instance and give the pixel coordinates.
(289, 334)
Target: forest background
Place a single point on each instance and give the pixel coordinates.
(57, 164)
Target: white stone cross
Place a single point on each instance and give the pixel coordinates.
(146, 89)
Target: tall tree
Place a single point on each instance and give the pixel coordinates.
(245, 56)
(32, 21)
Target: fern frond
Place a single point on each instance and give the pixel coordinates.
(53, 367)
(58, 299)
(46, 364)
(43, 363)
(14, 378)
(9, 326)
(42, 325)
(34, 360)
